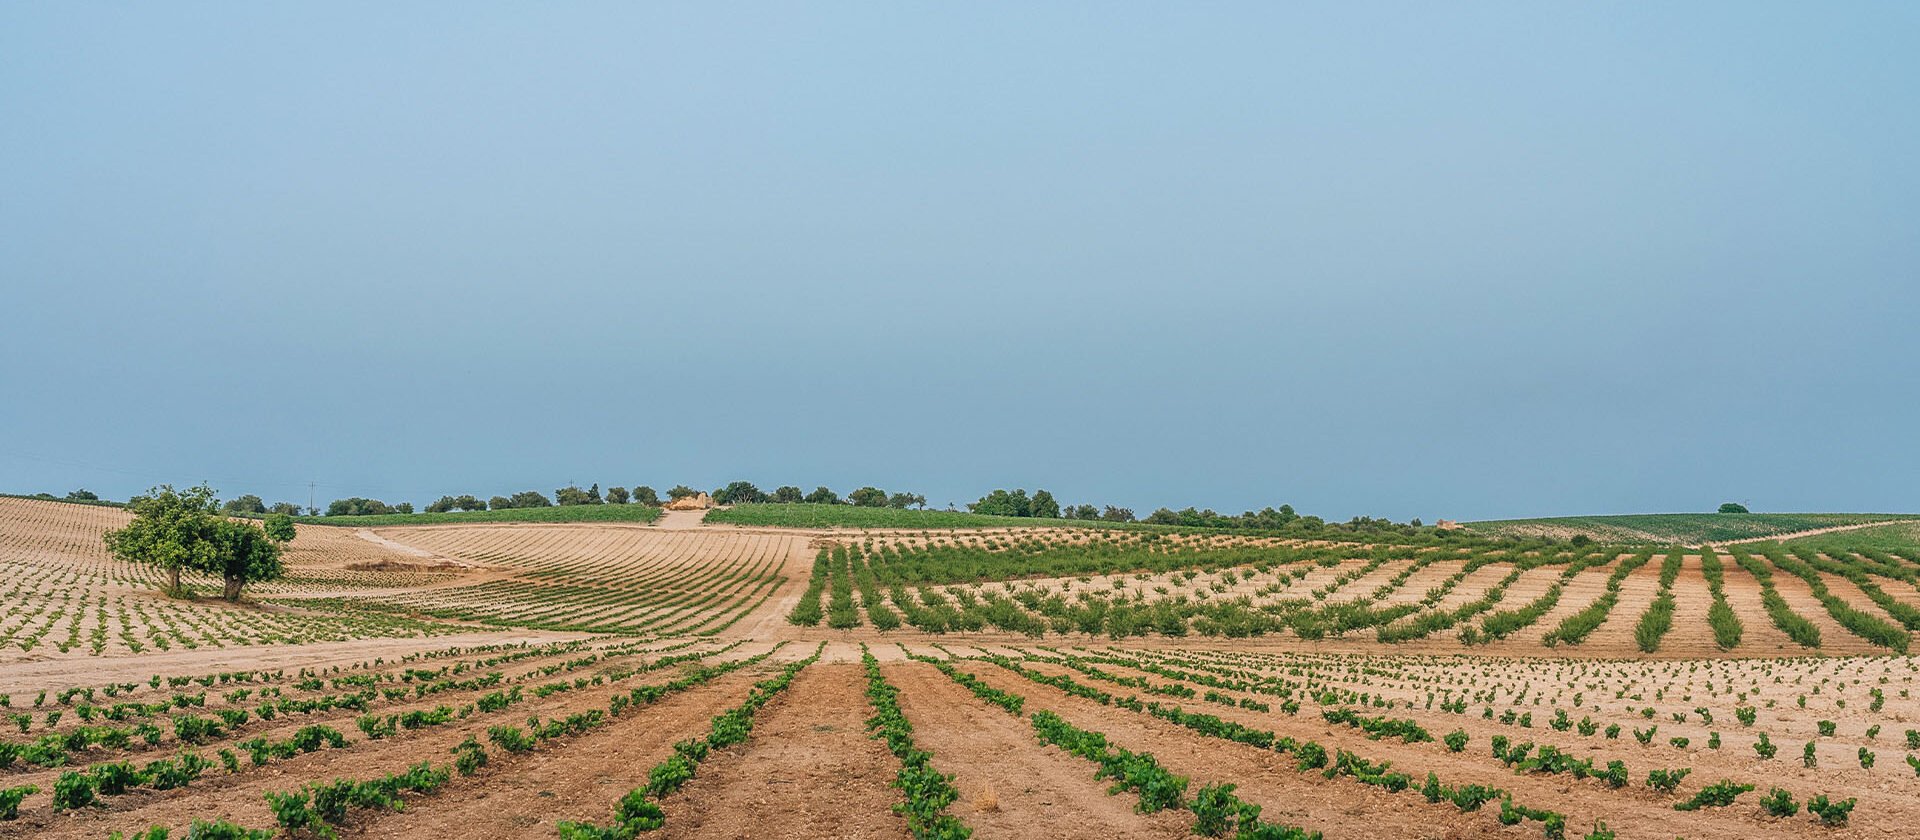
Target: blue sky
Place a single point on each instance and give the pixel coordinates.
(1438, 260)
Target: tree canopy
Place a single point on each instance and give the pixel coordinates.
(1734, 507)
(185, 531)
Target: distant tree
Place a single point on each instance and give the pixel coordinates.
(1581, 540)
(440, 505)
(644, 495)
(906, 500)
(288, 508)
(822, 496)
(593, 494)
(1081, 512)
(356, 506)
(681, 491)
(1162, 516)
(499, 503)
(788, 495)
(531, 499)
(1734, 507)
(82, 495)
(868, 497)
(248, 503)
(739, 493)
(1003, 503)
(175, 531)
(468, 503)
(1043, 505)
(570, 495)
(617, 495)
(1117, 514)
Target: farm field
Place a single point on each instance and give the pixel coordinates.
(612, 679)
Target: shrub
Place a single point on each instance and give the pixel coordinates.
(1780, 803)
(73, 790)
(1456, 740)
(1666, 781)
(1829, 812)
(1717, 795)
(10, 800)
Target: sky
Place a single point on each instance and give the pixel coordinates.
(1475, 260)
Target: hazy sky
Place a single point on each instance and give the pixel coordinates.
(1437, 260)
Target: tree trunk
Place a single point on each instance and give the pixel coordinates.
(173, 582)
(233, 588)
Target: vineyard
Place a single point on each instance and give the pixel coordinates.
(619, 679)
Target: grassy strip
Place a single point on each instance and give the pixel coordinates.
(807, 613)
(1859, 622)
(928, 792)
(851, 516)
(557, 513)
(1500, 624)
(639, 810)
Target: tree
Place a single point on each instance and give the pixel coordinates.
(287, 508)
(1162, 516)
(572, 495)
(499, 503)
(440, 505)
(248, 503)
(1043, 505)
(1082, 512)
(244, 553)
(468, 503)
(1734, 507)
(531, 499)
(356, 506)
(644, 495)
(906, 500)
(168, 532)
(681, 491)
(788, 495)
(822, 496)
(868, 497)
(177, 531)
(617, 495)
(1117, 514)
(82, 495)
(1003, 503)
(739, 493)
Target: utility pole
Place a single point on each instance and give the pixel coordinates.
(311, 510)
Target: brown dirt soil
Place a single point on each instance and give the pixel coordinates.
(807, 770)
(1009, 783)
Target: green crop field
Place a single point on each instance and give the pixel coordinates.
(1687, 528)
(849, 516)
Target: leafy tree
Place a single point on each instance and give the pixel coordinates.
(593, 493)
(681, 491)
(1043, 505)
(617, 495)
(356, 506)
(868, 497)
(1734, 507)
(168, 532)
(739, 493)
(644, 495)
(1117, 514)
(822, 496)
(82, 495)
(183, 530)
(1003, 503)
(287, 508)
(572, 495)
(440, 505)
(787, 495)
(1080, 512)
(279, 527)
(499, 503)
(468, 503)
(906, 500)
(245, 504)
(531, 499)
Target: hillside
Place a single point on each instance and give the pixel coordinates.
(1683, 528)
